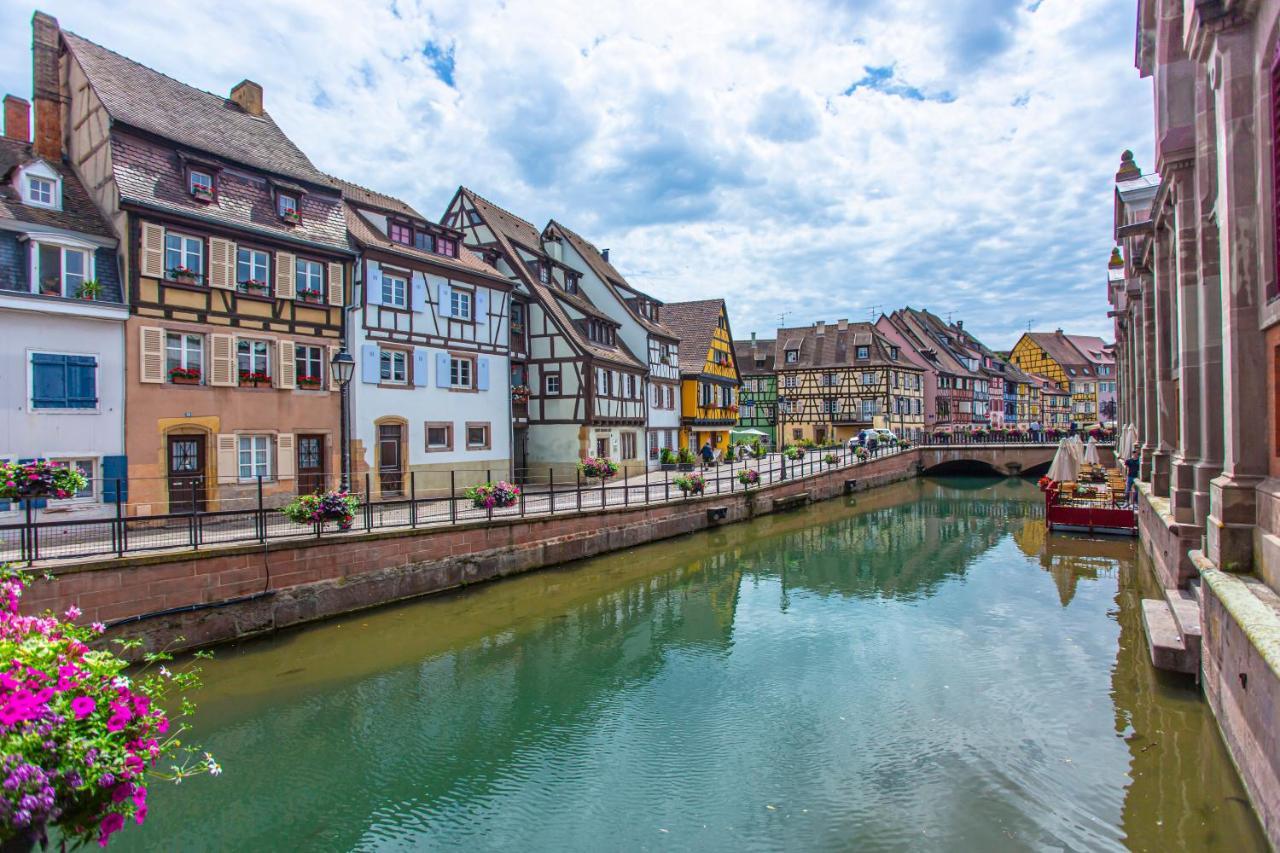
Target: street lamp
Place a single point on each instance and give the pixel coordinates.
(344, 367)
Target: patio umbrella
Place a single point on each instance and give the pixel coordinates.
(1066, 464)
(1091, 452)
(748, 431)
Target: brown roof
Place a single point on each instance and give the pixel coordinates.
(1093, 348)
(611, 278)
(78, 212)
(368, 235)
(919, 329)
(694, 323)
(506, 223)
(746, 352)
(1059, 348)
(151, 101)
(366, 197)
(837, 348)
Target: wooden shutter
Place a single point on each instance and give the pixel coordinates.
(228, 459)
(288, 371)
(420, 360)
(151, 347)
(482, 373)
(333, 378)
(152, 264)
(480, 307)
(285, 287)
(442, 370)
(370, 364)
(222, 263)
(284, 456)
(336, 294)
(222, 360)
(373, 284)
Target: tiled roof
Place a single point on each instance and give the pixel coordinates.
(366, 234)
(366, 197)
(78, 212)
(837, 348)
(151, 101)
(746, 353)
(918, 327)
(1059, 348)
(611, 277)
(507, 223)
(694, 324)
(1093, 348)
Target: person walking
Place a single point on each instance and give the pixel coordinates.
(1035, 432)
(708, 455)
(872, 444)
(1131, 467)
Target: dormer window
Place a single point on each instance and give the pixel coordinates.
(40, 186)
(400, 233)
(893, 353)
(862, 352)
(60, 270)
(287, 208)
(41, 191)
(544, 274)
(200, 185)
(570, 282)
(793, 356)
(446, 246)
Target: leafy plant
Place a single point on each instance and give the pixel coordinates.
(319, 508)
(667, 456)
(831, 459)
(192, 373)
(793, 452)
(686, 457)
(89, 289)
(493, 495)
(749, 477)
(860, 452)
(39, 479)
(759, 451)
(601, 468)
(690, 484)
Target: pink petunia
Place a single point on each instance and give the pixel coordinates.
(83, 706)
(110, 825)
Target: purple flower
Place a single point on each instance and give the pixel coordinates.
(83, 706)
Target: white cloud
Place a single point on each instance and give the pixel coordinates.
(811, 157)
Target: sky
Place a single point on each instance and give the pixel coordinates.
(804, 160)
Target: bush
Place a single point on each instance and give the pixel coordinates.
(793, 452)
(860, 452)
(601, 468)
(759, 451)
(686, 457)
(690, 484)
(667, 457)
(319, 508)
(39, 479)
(493, 495)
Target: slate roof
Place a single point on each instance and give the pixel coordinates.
(510, 230)
(694, 324)
(745, 353)
(78, 212)
(148, 100)
(365, 234)
(612, 279)
(917, 327)
(836, 348)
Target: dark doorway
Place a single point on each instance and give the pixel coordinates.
(312, 476)
(186, 473)
(390, 477)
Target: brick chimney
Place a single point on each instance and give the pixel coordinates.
(17, 118)
(248, 95)
(842, 325)
(47, 92)
(821, 328)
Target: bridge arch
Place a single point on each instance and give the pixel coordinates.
(1006, 460)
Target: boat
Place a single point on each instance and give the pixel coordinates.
(1084, 496)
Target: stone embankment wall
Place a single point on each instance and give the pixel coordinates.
(257, 589)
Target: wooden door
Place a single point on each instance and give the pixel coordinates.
(312, 476)
(187, 468)
(520, 447)
(390, 476)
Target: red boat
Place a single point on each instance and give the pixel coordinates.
(1087, 508)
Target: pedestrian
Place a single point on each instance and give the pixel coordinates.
(1035, 431)
(862, 438)
(872, 443)
(708, 455)
(1131, 467)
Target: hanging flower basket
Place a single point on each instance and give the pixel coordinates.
(860, 452)
(749, 477)
(831, 459)
(519, 393)
(493, 495)
(598, 468)
(690, 484)
(319, 508)
(794, 453)
(39, 479)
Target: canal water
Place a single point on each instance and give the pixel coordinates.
(919, 667)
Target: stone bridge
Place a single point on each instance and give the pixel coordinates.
(1013, 460)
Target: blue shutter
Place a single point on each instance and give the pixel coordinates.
(48, 381)
(419, 366)
(482, 307)
(442, 370)
(82, 382)
(373, 284)
(115, 468)
(482, 373)
(444, 292)
(370, 366)
(418, 287)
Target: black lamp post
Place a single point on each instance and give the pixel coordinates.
(344, 367)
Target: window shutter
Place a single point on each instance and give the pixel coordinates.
(442, 370)
(370, 366)
(284, 456)
(337, 296)
(373, 285)
(115, 479)
(333, 379)
(285, 287)
(152, 263)
(419, 288)
(82, 382)
(288, 371)
(151, 347)
(228, 459)
(222, 264)
(420, 366)
(48, 380)
(482, 373)
(222, 360)
(482, 307)
(443, 291)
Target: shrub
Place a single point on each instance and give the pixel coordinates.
(319, 508)
(759, 451)
(686, 457)
(830, 459)
(39, 479)
(690, 484)
(860, 452)
(493, 495)
(667, 457)
(793, 452)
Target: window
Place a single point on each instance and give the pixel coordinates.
(394, 366)
(631, 388)
(42, 191)
(460, 372)
(447, 246)
(309, 363)
(793, 356)
(253, 359)
(868, 409)
(552, 383)
(828, 379)
(893, 353)
(395, 290)
(253, 266)
(310, 280)
(862, 352)
(400, 233)
(287, 205)
(87, 467)
(868, 379)
(64, 381)
(184, 357)
(255, 457)
(460, 304)
(439, 436)
(570, 283)
(60, 271)
(628, 445)
(478, 436)
(791, 381)
(200, 184)
(183, 256)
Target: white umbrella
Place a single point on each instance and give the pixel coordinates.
(748, 431)
(1066, 462)
(1128, 441)
(1091, 452)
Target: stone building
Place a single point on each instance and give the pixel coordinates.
(1197, 324)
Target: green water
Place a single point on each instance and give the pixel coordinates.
(919, 668)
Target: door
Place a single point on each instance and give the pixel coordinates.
(390, 477)
(520, 446)
(311, 458)
(186, 473)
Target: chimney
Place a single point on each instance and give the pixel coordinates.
(47, 93)
(821, 328)
(604, 253)
(842, 325)
(960, 325)
(17, 119)
(248, 95)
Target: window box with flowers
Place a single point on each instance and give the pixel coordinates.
(39, 479)
(184, 375)
(309, 383)
(519, 393)
(315, 297)
(255, 287)
(291, 217)
(252, 379)
(185, 275)
(201, 193)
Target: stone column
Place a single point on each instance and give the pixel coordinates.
(1162, 338)
(1232, 496)
(1186, 338)
(1150, 435)
(1210, 297)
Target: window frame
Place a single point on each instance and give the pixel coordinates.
(388, 294)
(253, 251)
(185, 352)
(87, 253)
(456, 297)
(391, 355)
(459, 358)
(269, 441)
(253, 356)
(320, 361)
(96, 408)
(546, 384)
(183, 251)
(428, 447)
(394, 227)
(298, 263)
(487, 427)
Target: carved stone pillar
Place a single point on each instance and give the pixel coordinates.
(1209, 411)
(1185, 338)
(1150, 434)
(1163, 339)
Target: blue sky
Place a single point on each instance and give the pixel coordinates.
(814, 159)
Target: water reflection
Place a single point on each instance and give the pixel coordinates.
(893, 671)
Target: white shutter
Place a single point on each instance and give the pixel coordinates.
(284, 456)
(285, 287)
(287, 374)
(228, 459)
(222, 360)
(151, 349)
(333, 379)
(337, 295)
(222, 263)
(152, 264)
(373, 283)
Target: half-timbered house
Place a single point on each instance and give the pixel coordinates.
(1053, 354)
(431, 401)
(835, 380)
(758, 402)
(235, 259)
(586, 387)
(949, 382)
(640, 326)
(709, 378)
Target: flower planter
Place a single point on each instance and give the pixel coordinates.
(185, 380)
(311, 297)
(499, 495)
(291, 218)
(684, 466)
(255, 289)
(669, 466)
(309, 386)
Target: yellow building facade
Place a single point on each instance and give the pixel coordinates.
(709, 378)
